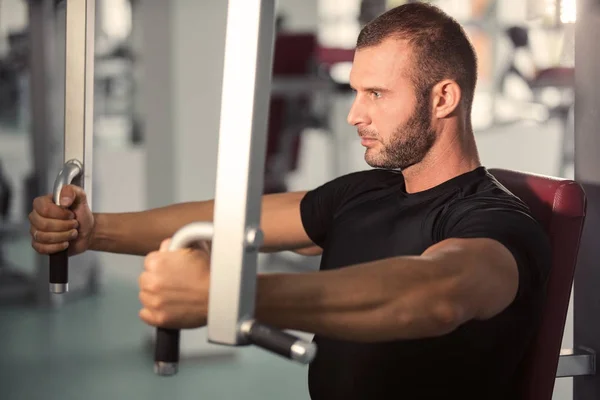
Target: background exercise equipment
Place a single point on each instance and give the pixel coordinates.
(79, 118)
(240, 168)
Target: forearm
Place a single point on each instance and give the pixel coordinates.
(139, 233)
(142, 232)
(391, 299)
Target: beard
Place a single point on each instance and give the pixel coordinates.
(407, 146)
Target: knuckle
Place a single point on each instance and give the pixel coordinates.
(143, 281)
(153, 285)
(142, 298)
(162, 318)
(54, 239)
(43, 225)
(39, 248)
(44, 209)
(157, 303)
(49, 238)
(152, 261)
(58, 247)
(149, 283)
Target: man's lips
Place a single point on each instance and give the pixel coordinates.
(366, 140)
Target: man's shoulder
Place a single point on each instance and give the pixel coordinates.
(484, 206)
(487, 194)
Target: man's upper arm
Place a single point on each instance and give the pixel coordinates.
(485, 279)
(300, 220)
(319, 206)
(281, 222)
(521, 237)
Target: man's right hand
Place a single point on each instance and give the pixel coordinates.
(55, 228)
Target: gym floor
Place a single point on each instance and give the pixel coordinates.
(94, 349)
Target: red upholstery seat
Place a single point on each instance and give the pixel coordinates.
(560, 206)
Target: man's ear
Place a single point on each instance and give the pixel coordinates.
(446, 98)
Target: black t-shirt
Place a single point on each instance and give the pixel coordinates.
(367, 215)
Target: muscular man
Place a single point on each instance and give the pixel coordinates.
(432, 274)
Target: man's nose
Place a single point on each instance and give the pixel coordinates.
(357, 114)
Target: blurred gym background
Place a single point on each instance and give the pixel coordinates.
(158, 77)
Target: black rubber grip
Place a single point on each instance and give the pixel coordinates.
(268, 338)
(59, 267)
(167, 345)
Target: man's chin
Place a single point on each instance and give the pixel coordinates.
(374, 162)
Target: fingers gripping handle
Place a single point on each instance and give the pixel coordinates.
(166, 354)
(279, 342)
(59, 262)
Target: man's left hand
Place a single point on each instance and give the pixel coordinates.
(174, 287)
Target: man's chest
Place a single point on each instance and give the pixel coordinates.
(375, 231)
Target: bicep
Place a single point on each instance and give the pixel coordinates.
(281, 222)
(487, 276)
(513, 238)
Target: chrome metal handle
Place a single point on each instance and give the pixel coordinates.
(70, 170)
(166, 354)
(278, 342)
(59, 262)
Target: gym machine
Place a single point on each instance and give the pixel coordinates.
(235, 232)
(586, 304)
(245, 95)
(79, 119)
(57, 79)
(66, 28)
(242, 141)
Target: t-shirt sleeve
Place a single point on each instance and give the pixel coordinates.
(515, 228)
(319, 206)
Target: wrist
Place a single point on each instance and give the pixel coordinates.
(95, 239)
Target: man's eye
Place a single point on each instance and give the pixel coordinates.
(376, 94)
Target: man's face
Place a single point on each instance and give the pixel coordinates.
(393, 121)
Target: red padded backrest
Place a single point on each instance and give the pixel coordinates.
(560, 206)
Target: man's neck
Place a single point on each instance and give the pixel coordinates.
(445, 161)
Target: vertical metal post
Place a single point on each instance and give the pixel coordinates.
(587, 172)
(236, 230)
(79, 88)
(79, 118)
(249, 43)
(240, 167)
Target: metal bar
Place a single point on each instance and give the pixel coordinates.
(240, 168)
(79, 115)
(79, 88)
(586, 305)
(249, 44)
(577, 362)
